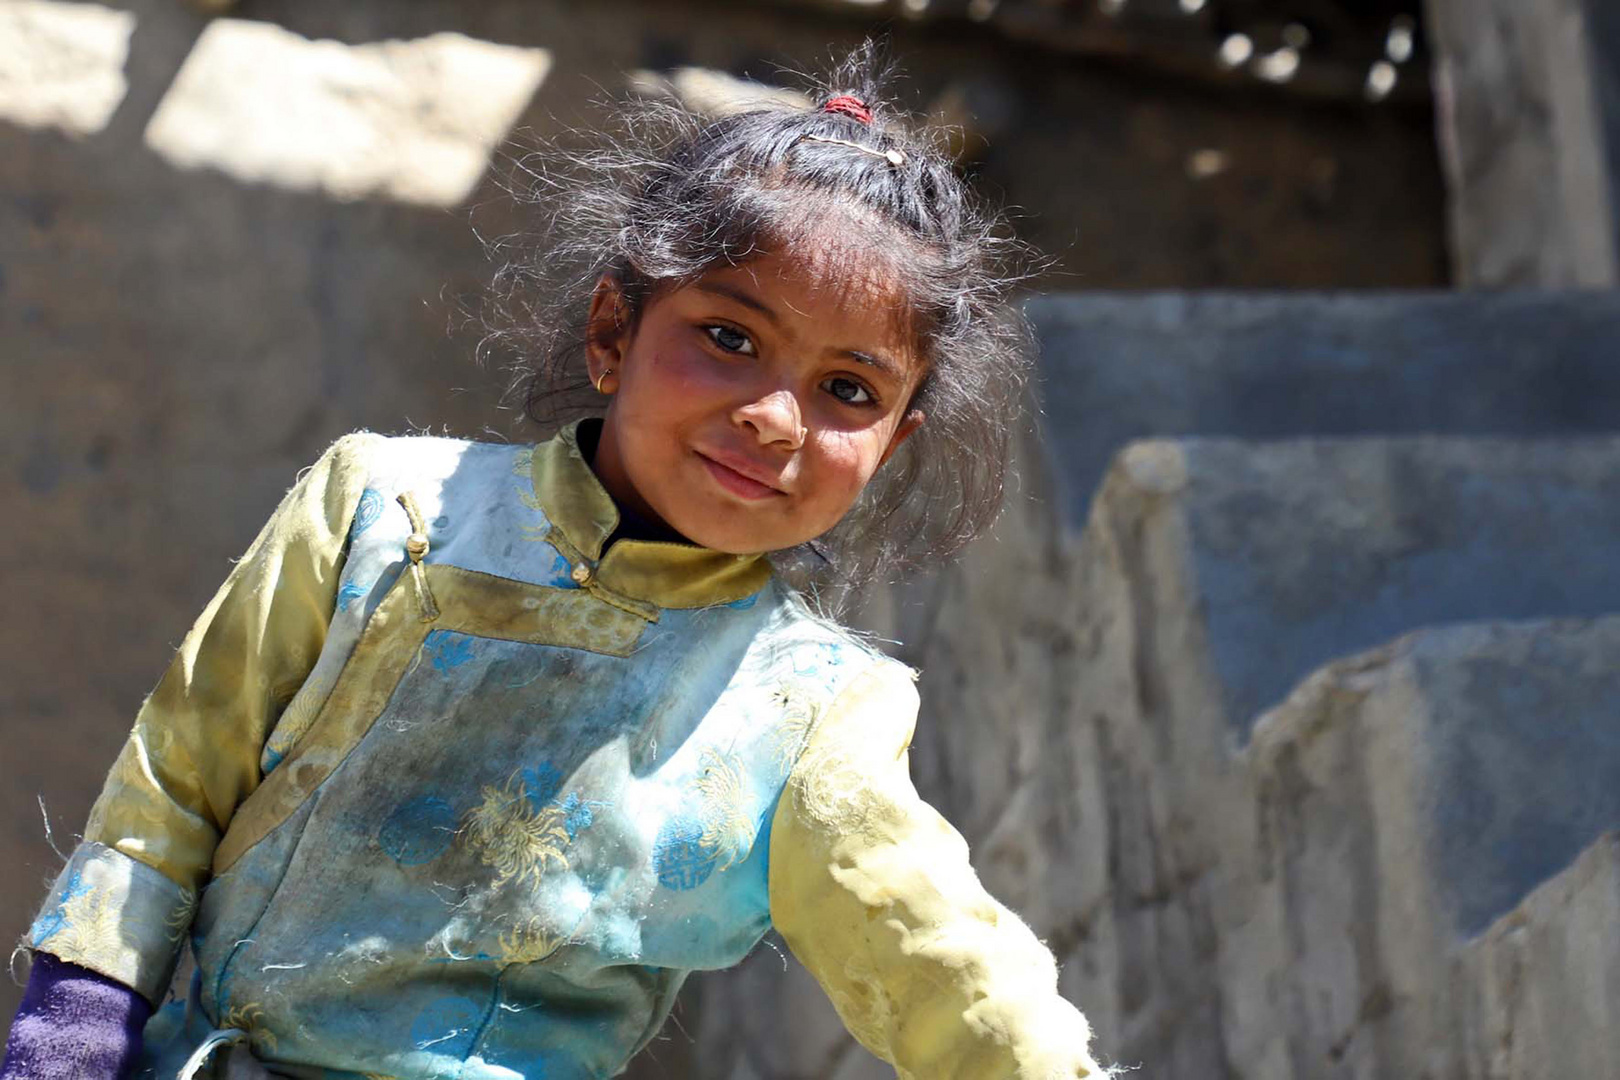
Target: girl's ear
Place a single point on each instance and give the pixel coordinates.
(908, 424)
(607, 329)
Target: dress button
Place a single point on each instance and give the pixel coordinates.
(582, 575)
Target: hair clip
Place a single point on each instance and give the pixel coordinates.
(849, 105)
(893, 157)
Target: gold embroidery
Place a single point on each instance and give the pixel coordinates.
(800, 707)
(90, 930)
(528, 943)
(507, 832)
(523, 462)
(728, 828)
(250, 1018)
(179, 919)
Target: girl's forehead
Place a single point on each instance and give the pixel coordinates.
(830, 277)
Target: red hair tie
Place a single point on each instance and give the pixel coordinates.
(849, 105)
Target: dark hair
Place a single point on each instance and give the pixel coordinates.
(664, 193)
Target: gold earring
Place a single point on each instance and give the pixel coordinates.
(600, 378)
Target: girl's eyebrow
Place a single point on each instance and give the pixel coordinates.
(741, 296)
(877, 360)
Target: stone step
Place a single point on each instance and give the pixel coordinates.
(1118, 367)
(1279, 557)
(1087, 702)
(1532, 993)
(1407, 799)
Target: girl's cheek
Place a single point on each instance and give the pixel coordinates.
(850, 458)
(690, 368)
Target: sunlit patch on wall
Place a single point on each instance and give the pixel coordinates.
(62, 64)
(408, 120)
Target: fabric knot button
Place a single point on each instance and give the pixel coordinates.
(416, 546)
(582, 574)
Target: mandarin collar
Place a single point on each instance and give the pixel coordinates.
(661, 573)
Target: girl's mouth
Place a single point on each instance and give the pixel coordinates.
(737, 483)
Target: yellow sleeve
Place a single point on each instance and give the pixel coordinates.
(124, 901)
(874, 894)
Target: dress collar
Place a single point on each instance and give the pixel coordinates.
(660, 573)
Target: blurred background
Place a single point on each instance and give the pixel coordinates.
(1283, 702)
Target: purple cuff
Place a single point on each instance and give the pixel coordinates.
(74, 1025)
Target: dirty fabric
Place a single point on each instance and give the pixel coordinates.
(439, 787)
(872, 890)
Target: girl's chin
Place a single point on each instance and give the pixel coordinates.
(720, 532)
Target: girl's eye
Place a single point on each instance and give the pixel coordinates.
(848, 391)
(730, 339)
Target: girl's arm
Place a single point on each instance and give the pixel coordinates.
(122, 905)
(73, 1024)
(873, 892)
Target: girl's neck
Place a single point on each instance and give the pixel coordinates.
(632, 526)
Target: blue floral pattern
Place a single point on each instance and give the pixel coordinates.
(580, 813)
(817, 660)
(50, 923)
(367, 511)
(562, 574)
(448, 649)
(349, 593)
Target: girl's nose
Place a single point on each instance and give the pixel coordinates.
(775, 419)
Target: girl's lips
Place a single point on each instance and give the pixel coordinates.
(744, 487)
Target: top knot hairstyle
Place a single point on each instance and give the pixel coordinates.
(665, 193)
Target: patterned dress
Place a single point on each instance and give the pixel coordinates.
(439, 787)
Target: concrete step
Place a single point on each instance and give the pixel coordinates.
(1118, 367)
(1407, 800)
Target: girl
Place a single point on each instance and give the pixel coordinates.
(482, 748)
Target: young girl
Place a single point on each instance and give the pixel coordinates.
(482, 748)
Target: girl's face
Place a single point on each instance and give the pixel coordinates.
(751, 406)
